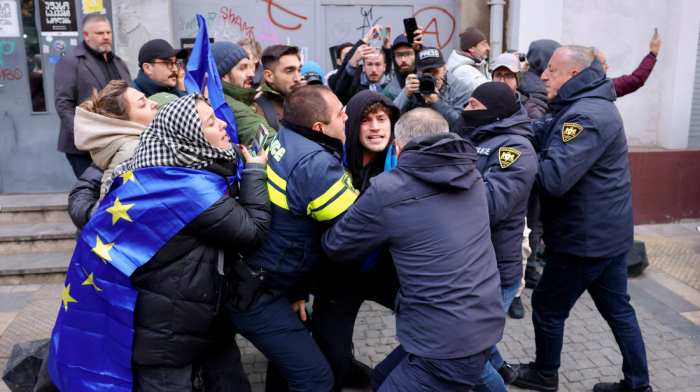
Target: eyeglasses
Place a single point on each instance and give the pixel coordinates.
(405, 54)
(508, 76)
(169, 64)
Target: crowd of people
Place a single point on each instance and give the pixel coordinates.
(431, 201)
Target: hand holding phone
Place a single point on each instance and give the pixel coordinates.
(259, 140)
(411, 26)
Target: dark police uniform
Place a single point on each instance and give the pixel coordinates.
(309, 190)
(586, 197)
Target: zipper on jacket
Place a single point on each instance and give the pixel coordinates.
(284, 256)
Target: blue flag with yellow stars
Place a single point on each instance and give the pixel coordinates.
(91, 343)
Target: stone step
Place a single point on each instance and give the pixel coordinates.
(34, 208)
(37, 238)
(34, 268)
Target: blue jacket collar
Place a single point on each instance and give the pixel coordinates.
(589, 83)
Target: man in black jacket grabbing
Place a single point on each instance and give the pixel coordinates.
(341, 289)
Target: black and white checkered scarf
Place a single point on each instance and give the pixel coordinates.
(174, 138)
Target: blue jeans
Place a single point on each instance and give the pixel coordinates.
(564, 279)
(276, 330)
(404, 372)
(490, 380)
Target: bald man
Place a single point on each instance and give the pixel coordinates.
(584, 184)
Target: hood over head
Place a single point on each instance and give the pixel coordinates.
(94, 132)
(398, 42)
(539, 54)
(589, 83)
(353, 149)
(443, 159)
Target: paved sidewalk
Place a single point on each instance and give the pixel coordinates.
(666, 298)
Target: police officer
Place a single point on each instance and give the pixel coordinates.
(584, 183)
(309, 190)
(500, 129)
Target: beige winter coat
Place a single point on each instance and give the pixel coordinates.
(110, 141)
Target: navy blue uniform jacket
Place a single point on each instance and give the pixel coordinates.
(508, 164)
(431, 212)
(583, 174)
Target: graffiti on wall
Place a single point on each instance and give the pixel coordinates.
(232, 20)
(270, 4)
(6, 48)
(9, 74)
(433, 27)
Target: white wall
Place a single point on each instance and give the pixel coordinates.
(659, 113)
(137, 22)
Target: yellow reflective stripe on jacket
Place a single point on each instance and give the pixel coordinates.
(337, 207)
(277, 197)
(277, 180)
(324, 198)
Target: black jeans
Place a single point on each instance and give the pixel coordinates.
(342, 291)
(564, 279)
(536, 229)
(79, 163)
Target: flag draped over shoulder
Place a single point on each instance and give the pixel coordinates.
(202, 63)
(91, 343)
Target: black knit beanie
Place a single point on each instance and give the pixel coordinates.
(470, 38)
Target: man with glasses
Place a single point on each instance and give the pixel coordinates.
(507, 69)
(404, 62)
(159, 64)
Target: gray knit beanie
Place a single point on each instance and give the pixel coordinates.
(227, 55)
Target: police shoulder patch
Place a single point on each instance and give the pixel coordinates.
(507, 156)
(570, 131)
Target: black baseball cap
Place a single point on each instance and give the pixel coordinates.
(429, 58)
(159, 49)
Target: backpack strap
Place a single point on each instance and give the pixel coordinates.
(269, 110)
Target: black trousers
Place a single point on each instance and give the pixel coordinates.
(79, 163)
(340, 291)
(536, 229)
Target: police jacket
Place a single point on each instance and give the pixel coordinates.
(308, 189)
(177, 315)
(431, 211)
(583, 174)
(508, 164)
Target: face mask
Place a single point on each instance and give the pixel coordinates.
(474, 119)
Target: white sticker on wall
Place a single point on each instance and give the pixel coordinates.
(9, 19)
(45, 48)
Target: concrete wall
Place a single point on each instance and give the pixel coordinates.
(136, 22)
(659, 113)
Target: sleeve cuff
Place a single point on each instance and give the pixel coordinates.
(350, 69)
(653, 54)
(254, 166)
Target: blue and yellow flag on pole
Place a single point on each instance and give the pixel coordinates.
(91, 343)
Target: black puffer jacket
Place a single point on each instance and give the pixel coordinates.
(84, 195)
(180, 290)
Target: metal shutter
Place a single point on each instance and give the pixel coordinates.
(694, 135)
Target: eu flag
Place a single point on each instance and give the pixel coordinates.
(91, 343)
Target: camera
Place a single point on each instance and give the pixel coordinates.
(521, 56)
(313, 78)
(427, 83)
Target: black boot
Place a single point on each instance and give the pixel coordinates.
(358, 375)
(516, 310)
(507, 373)
(618, 387)
(530, 378)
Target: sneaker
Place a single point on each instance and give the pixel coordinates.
(618, 387)
(516, 310)
(530, 378)
(507, 373)
(358, 375)
(531, 279)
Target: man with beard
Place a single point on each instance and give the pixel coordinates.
(404, 62)
(91, 65)
(159, 64)
(469, 64)
(282, 73)
(340, 290)
(234, 67)
(374, 74)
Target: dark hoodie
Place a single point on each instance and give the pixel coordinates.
(353, 149)
(583, 175)
(538, 57)
(399, 81)
(507, 188)
(431, 211)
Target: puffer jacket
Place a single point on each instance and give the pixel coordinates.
(468, 71)
(84, 195)
(508, 164)
(110, 141)
(179, 289)
(239, 100)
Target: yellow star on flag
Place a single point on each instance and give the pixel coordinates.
(90, 280)
(119, 211)
(102, 250)
(128, 176)
(66, 298)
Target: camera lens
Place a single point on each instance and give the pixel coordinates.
(313, 78)
(427, 84)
